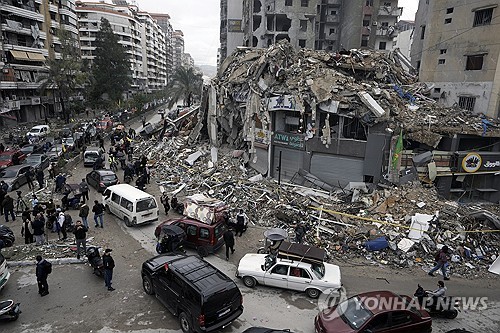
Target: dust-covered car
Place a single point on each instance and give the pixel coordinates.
(295, 267)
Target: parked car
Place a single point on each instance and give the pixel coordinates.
(15, 176)
(55, 152)
(296, 267)
(37, 161)
(39, 131)
(205, 238)
(65, 132)
(91, 155)
(4, 272)
(69, 142)
(204, 298)
(104, 125)
(8, 157)
(101, 179)
(31, 149)
(375, 311)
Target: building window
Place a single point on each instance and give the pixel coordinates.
(369, 3)
(437, 90)
(304, 3)
(418, 65)
(366, 22)
(382, 45)
(303, 25)
(387, 4)
(422, 32)
(302, 43)
(385, 24)
(466, 102)
(483, 17)
(353, 129)
(447, 21)
(332, 31)
(474, 62)
(441, 61)
(449, 10)
(364, 40)
(288, 2)
(442, 51)
(333, 12)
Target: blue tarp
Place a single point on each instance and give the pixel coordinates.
(377, 244)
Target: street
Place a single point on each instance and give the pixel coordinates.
(79, 302)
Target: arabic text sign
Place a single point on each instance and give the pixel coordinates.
(295, 141)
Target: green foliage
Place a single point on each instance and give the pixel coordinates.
(65, 74)
(185, 85)
(110, 68)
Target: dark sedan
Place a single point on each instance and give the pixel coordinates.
(32, 149)
(15, 176)
(37, 161)
(100, 179)
(55, 152)
(375, 311)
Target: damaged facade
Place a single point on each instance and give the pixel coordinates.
(314, 24)
(330, 119)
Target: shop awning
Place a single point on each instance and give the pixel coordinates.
(19, 55)
(35, 56)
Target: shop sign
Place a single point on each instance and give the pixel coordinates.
(295, 141)
(481, 162)
(283, 102)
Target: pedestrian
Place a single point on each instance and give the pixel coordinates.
(34, 201)
(2, 148)
(143, 119)
(147, 174)
(84, 189)
(80, 238)
(43, 269)
(229, 242)
(84, 213)
(50, 208)
(441, 259)
(109, 264)
(165, 201)
(60, 181)
(27, 229)
(39, 178)
(61, 227)
(29, 178)
(141, 182)
(241, 222)
(51, 170)
(300, 231)
(101, 143)
(8, 208)
(38, 226)
(98, 210)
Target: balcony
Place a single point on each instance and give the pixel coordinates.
(332, 2)
(332, 19)
(388, 32)
(390, 11)
(22, 12)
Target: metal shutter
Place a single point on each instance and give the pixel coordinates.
(291, 162)
(334, 169)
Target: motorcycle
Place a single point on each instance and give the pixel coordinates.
(446, 307)
(9, 311)
(95, 260)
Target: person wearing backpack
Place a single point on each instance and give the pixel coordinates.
(441, 259)
(43, 269)
(241, 222)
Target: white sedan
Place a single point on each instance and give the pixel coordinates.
(312, 277)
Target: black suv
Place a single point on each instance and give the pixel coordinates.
(204, 298)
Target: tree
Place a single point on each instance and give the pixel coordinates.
(65, 75)
(110, 68)
(185, 85)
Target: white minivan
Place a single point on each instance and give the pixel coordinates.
(130, 204)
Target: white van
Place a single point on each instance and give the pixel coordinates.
(130, 204)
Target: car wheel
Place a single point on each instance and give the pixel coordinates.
(147, 285)
(451, 314)
(127, 221)
(262, 250)
(313, 293)
(249, 281)
(202, 251)
(184, 322)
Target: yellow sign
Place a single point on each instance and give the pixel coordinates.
(472, 162)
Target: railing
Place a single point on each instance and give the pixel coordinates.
(390, 11)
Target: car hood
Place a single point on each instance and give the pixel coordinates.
(330, 321)
(4, 163)
(252, 262)
(332, 275)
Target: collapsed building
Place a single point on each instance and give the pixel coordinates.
(334, 119)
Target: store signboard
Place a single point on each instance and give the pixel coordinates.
(479, 162)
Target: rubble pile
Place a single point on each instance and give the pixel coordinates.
(369, 85)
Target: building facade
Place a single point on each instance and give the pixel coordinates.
(456, 50)
(316, 24)
(29, 31)
(178, 48)
(163, 21)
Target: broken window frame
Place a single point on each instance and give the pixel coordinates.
(334, 122)
(441, 61)
(474, 62)
(422, 31)
(288, 3)
(467, 102)
(360, 132)
(302, 43)
(303, 25)
(483, 17)
(304, 3)
(447, 20)
(449, 10)
(382, 45)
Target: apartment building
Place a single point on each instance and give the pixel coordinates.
(178, 48)
(163, 21)
(28, 38)
(187, 61)
(456, 49)
(316, 24)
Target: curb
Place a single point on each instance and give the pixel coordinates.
(55, 261)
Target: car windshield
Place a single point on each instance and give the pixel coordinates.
(319, 270)
(28, 148)
(353, 312)
(270, 261)
(91, 154)
(8, 173)
(5, 157)
(56, 149)
(103, 123)
(108, 178)
(33, 159)
(145, 204)
(221, 297)
(69, 140)
(35, 130)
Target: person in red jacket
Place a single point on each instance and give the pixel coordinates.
(441, 261)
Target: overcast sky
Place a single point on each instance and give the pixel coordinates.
(200, 20)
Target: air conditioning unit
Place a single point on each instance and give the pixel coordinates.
(52, 45)
(375, 24)
(52, 30)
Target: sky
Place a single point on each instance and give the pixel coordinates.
(199, 20)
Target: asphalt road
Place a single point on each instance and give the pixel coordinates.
(79, 302)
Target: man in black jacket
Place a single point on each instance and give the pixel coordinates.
(108, 264)
(98, 210)
(8, 208)
(38, 226)
(42, 272)
(229, 242)
(80, 238)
